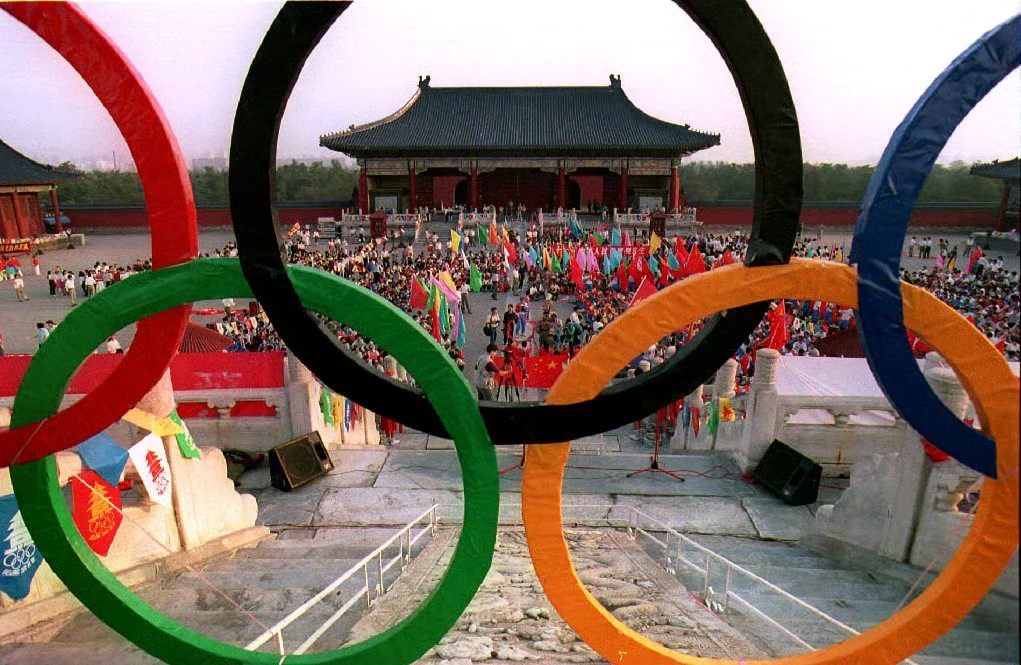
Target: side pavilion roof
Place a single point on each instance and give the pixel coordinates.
(17, 169)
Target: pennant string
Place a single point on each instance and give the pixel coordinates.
(198, 574)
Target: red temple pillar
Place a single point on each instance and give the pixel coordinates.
(623, 189)
(19, 221)
(56, 208)
(473, 188)
(675, 188)
(1002, 213)
(363, 192)
(561, 188)
(412, 194)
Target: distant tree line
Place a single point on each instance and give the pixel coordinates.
(703, 181)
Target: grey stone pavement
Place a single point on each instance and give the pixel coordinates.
(392, 486)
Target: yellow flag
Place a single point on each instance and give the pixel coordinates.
(455, 241)
(503, 229)
(448, 280)
(147, 421)
(654, 243)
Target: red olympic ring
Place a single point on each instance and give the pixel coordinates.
(172, 222)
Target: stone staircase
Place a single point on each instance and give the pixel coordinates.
(268, 581)
(855, 596)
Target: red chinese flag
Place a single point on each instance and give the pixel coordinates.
(419, 297)
(664, 275)
(97, 510)
(544, 369)
(645, 289)
(680, 251)
(696, 264)
(512, 252)
(779, 334)
(976, 254)
(622, 275)
(724, 260)
(637, 269)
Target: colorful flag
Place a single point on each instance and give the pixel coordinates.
(653, 266)
(97, 510)
(696, 419)
(149, 422)
(607, 265)
(434, 296)
(503, 232)
(461, 333)
(19, 558)
(102, 454)
(599, 238)
(483, 235)
(185, 441)
(455, 241)
(952, 263)
(627, 238)
(555, 264)
(672, 263)
(615, 239)
(444, 314)
(695, 264)
(573, 227)
(576, 272)
(622, 275)
(474, 279)
(724, 260)
(714, 417)
(654, 243)
(494, 235)
(779, 335)
(326, 407)
(976, 254)
(419, 297)
(150, 460)
(726, 410)
(680, 251)
(644, 290)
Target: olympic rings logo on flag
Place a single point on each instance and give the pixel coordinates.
(38, 430)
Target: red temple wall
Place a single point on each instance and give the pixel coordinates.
(122, 218)
(533, 189)
(591, 188)
(846, 217)
(443, 187)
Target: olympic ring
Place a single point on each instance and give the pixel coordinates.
(45, 509)
(758, 74)
(171, 206)
(979, 560)
(883, 224)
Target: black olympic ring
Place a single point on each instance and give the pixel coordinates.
(758, 74)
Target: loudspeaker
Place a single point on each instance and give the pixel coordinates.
(789, 474)
(298, 462)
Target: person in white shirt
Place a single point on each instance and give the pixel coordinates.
(113, 346)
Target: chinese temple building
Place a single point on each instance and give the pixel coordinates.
(548, 147)
(1009, 171)
(22, 180)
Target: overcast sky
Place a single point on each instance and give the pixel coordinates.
(855, 69)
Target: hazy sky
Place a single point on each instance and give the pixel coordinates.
(855, 68)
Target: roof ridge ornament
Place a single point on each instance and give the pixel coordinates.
(423, 82)
(615, 81)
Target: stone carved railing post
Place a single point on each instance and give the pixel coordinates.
(760, 421)
(728, 434)
(880, 509)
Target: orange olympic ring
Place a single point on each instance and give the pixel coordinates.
(975, 567)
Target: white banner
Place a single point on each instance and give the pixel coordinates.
(150, 460)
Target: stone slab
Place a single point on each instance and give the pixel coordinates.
(372, 506)
(278, 508)
(708, 515)
(775, 520)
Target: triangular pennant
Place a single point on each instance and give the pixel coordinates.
(19, 558)
(185, 442)
(149, 422)
(97, 510)
(150, 460)
(102, 454)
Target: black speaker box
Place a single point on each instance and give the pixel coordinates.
(789, 474)
(298, 462)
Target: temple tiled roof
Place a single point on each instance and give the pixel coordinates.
(1008, 170)
(555, 121)
(17, 169)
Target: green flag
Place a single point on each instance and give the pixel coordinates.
(184, 440)
(475, 279)
(483, 235)
(555, 264)
(326, 407)
(714, 416)
(444, 315)
(600, 238)
(433, 295)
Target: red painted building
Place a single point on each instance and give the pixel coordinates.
(567, 147)
(22, 180)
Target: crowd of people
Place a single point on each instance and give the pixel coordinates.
(530, 289)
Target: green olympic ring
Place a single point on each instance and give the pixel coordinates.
(45, 510)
